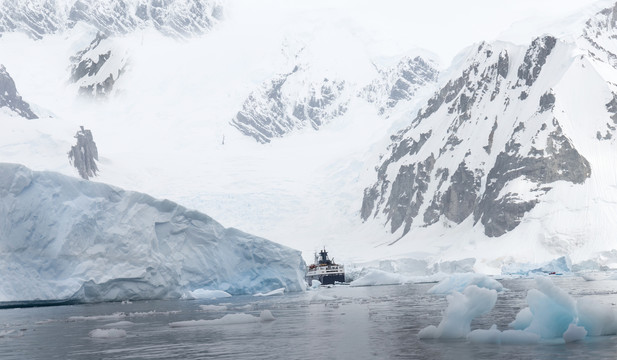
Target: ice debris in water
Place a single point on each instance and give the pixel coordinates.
(107, 333)
(213, 307)
(208, 294)
(280, 291)
(378, 277)
(229, 319)
(494, 336)
(551, 314)
(124, 323)
(458, 282)
(462, 309)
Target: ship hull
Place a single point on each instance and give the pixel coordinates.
(327, 279)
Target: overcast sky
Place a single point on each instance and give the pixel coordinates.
(445, 27)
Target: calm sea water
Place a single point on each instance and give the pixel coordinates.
(342, 322)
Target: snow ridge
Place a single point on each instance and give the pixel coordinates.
(180, 19)
(294, 100)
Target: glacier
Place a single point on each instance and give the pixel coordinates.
(64, 238)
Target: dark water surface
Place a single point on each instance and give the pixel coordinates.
(380, 322)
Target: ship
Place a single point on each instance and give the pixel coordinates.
(326, 271)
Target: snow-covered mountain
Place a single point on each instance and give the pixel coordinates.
(295, 100)
(96, 68)
(65, 238)
(374, 150)
(517, 145)
(111, 17)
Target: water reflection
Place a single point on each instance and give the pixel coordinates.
(341, 322)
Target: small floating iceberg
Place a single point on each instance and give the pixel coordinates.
(229, 319)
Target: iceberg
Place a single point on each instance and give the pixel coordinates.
(67, 238)
(462, 309)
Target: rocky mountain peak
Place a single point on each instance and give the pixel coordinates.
(473, 140)
(181, 19)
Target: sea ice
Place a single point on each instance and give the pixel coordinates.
(494, 336)
(229, 319)
(209, 294)
(376, 277)
(119, 324)
(213, 307)
(280, 291)
(458, 282)
(462, 309)
(107, 333)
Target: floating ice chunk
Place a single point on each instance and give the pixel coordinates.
(315, 284)
(209, 294)
(213, 307)
(574, 333)
(462, 309)
(598, 319)
(266, 315)
(321, 297)
(507, 337)
(458, 282)
(552, 308)
(152, 313)
(280, 291)
(376, 277)
(229, 319)
(107, 333)
(119, 324)
(522, 320)
(5, 333)
(114, 316)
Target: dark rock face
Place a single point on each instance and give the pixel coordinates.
(88, 67)
(547, 102)
(535, 58)
(111, 17)
(9, 97)
(270, 112)
(84, 154)
(407, 194)
(408, 189)
(560, 161)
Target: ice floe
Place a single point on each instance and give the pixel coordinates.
(229, 319)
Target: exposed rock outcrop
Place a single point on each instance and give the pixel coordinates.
(10, 98)
(84, 155)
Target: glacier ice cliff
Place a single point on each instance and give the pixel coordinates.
(65, 238)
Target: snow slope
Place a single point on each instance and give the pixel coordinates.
(66, 238)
